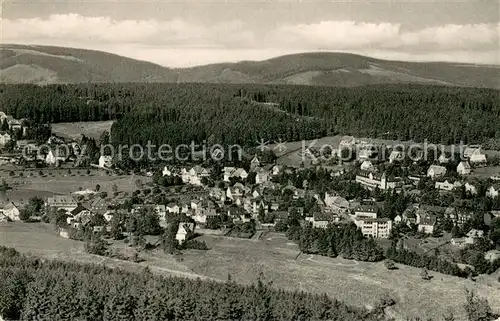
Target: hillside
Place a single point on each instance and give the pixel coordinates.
(48, 65)
(45, 65)
(343, 69)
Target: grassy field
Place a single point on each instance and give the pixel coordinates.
(61, 182)
(92, 129)
(358, 283)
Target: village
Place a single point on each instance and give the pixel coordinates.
(260, 195)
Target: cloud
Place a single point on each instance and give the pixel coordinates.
(180, 42)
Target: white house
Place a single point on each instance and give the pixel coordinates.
(374, 227)
(232, 172)
(493, 191)
(4, 138)
(57, 155)
(185, 229)
(367, 166)
(10, 210)
(195, 175)
(436, 171)
(262, 176)
(474, 154)
(426, 224)
(464, 168)
(105, 161)
(173, 208)
(254, 163)
(447, 186)
(64, 202)
(372, 180)
(470, 188)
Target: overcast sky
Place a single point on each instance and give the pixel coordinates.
(178, 34)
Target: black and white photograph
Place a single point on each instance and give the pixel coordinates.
(253, 160)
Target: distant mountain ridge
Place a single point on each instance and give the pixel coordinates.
(48, 64)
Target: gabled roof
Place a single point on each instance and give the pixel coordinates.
(78, 210)
(439, 170)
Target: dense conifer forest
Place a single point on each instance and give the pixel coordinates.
(243, 114)
(33, 289)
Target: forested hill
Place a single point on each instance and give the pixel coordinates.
(244, 114)
(47, 65)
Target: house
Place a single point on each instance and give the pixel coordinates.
(10, 210)
(396, 156)
(4, 138)
(321, 220)
(232, 172)
(366, 210)
(474, 154)
(105, 161)
(426, 224)
(458, 241)
(470, 188)
(408, 216)
(372, 180)
(202, 216)
(79, 211)
(436, 171)
(493, 191)
(218, 194)
(374, 227)
(184, 231)
(57, 155)
(276, 169)
(167, 171)
(474, 234)
(238, 190)
(458, 215)
(98, 205)
(262, 176)
(367, 166)
(447, 186)
(254, 163)
(61, 202)
(464, 168)
(3, 217)
(173, 208)
(195, 175)
(336, 203)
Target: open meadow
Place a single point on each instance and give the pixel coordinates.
(75, 130)
(357, 283)
(59, 181)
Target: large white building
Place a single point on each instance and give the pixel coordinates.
(373, 180)
(375, 227)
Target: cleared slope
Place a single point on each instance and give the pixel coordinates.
(45, 64)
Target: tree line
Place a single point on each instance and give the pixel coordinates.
(34, 289)
(238, 114)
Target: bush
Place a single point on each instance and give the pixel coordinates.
(194, 245)
(389, 264)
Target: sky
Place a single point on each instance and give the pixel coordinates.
(188, 33)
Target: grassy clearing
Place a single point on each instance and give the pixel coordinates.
(357, 283)
(92, 129)
(60, 182)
